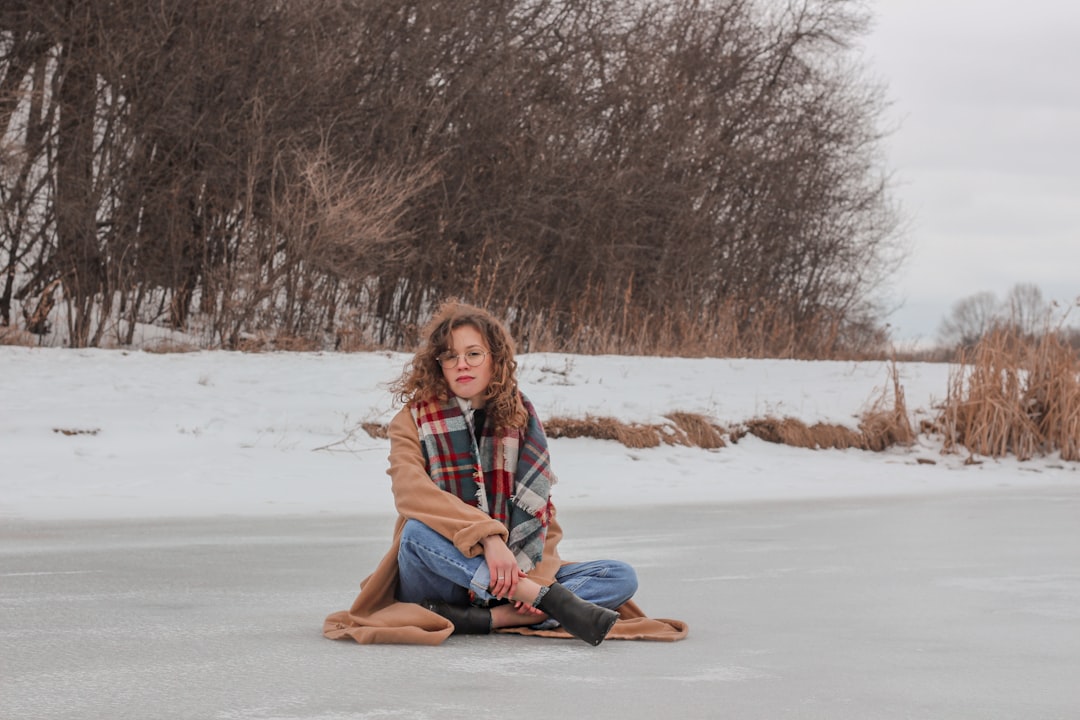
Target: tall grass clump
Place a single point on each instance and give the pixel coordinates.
(1014, 394)
(632, 435)
(682, 428)
(16, 336)
(882, 425)
(794, 432)
(886, 422)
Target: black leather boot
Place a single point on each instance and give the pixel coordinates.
(467, 620)
(580, 618)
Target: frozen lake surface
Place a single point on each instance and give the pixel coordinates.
(962, 605)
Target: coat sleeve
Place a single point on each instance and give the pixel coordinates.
(418, 498)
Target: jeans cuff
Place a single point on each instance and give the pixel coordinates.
(481, 581)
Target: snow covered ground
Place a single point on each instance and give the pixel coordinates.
(93, 434)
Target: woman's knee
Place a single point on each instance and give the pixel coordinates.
(626, 574)
(412, 529)
(415, 534)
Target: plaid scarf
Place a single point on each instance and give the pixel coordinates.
(512, 467)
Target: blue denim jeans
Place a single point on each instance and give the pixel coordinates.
(431, 568)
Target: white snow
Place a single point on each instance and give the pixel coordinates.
(115, 434)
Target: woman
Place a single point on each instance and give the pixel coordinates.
(475, 546)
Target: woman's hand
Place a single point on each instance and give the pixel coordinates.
(502, 565)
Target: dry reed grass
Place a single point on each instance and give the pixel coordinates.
(17, 336)
(165, 346)
(879, 430)
(264, 342)
(76, 431)
(1013, 394)
(295, 343)
(632, 435)
(694, 430)
(350, 338)
(726, 330)
(698, 430)
(794, 432)
(882, 426)
(886, 422)
(691, 429)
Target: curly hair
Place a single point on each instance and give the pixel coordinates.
(423, 378)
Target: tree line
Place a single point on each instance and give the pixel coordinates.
(677, 176)
(1023, 314)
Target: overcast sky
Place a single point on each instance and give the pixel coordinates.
(986, 155)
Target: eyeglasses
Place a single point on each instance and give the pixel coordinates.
(472, 357)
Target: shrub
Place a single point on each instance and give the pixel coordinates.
(1013, 394)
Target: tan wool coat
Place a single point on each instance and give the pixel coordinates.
(376, 616)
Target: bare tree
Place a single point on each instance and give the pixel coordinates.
(1026, 310)
(680, 175)
(970, 319)
(25, 114)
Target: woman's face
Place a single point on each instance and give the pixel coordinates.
(467, 382)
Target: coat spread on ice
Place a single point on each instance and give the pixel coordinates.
(376, 616)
